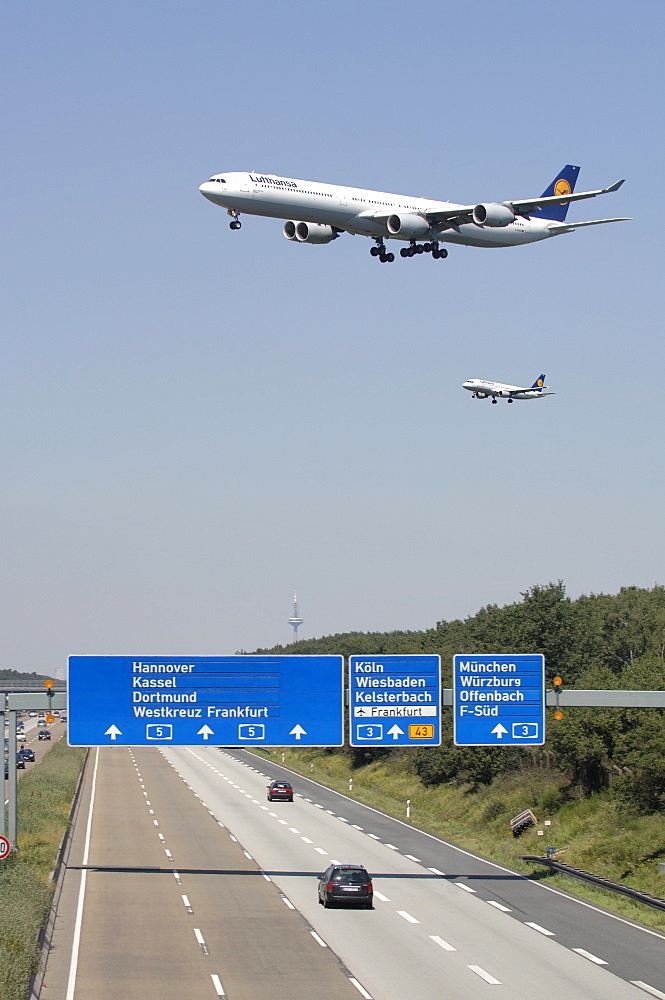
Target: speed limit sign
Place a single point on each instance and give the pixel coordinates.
(5, 848)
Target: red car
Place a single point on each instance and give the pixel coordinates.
(281, 791)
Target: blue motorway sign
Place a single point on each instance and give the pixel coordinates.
(395, 701)
(499, 700)
(272, 701)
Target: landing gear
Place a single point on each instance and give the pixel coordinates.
(234, 213)
(380, 251)
(494, 400)
(433, 248)
(510, 400)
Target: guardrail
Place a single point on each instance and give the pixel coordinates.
(641, 897)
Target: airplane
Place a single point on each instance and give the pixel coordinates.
(320, 213)
(482, 389)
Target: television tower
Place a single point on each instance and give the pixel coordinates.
(295, 620)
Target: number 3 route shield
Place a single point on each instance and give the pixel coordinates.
(499, 700)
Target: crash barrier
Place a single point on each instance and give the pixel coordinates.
(522, 822)
(641, 897)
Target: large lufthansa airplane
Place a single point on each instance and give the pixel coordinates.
(481, 389)
(319, 213)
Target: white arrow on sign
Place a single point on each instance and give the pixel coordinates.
(298, 731)
(499, 730)
(113, 732)
(205, 731)
(395, 731)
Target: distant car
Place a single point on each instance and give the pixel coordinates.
(20, 762)
(27, 754)
(63, 717)
(280, 791)
(346, 884)
(33, 715)
(44, 734)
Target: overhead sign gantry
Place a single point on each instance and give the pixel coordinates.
(222, 700)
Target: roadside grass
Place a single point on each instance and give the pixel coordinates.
(596, 836)
(44, 800)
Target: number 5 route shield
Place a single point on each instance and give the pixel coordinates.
(499, 700)
(271, 701)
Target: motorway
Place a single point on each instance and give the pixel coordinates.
(183, 881)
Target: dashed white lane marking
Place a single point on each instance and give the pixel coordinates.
(188, 905)
(168, 854)
(292, 829)
(319, 850)
(233, 838)
(407, 916)
(219, 989)
(307, 840)
(379, 895)
(373, 836)
(441, 943)
(318, 939)
(363, 992)
(155, 822)
(176, 876)
(436, 871)
(411, 858)
(199, 937)
(541, 930)
(649, 989)
(499, 906)
(592, 958)
(330, 812)
(484, 975)
(356, 827)
(161, 837)
(266, 877)
(342, 819)
(392, 847)
(288, 903)
(247, 855)
(467, 888)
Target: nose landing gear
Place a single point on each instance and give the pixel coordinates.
(234, 213)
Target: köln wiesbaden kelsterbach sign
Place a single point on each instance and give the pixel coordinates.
(217, 700)
(499, 700)
(395, 700)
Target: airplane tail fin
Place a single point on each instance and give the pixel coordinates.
(563, 183)
(539, 384)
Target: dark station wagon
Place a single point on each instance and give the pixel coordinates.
(280, 791)
(346, 884)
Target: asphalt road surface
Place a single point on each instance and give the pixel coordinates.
(188, 883)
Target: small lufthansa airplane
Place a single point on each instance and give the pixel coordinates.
(482, 389)
(319, 213)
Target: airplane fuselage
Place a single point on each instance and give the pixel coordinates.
(353, 209)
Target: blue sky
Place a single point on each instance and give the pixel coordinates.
(199, 421)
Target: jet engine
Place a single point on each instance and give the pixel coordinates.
(411, 226)
(309, 232)
(493, 215)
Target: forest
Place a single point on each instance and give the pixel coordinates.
(596, 642)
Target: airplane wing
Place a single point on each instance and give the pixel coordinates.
(567, 227)
(463, 214)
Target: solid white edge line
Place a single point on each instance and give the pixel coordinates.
(592, 958)
(219, 989)
(76, 942)
(484, 975)
(363, 992)
(442, 944)
(648, 989)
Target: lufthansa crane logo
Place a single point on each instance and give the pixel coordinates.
(539, 383)
(561, 187)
